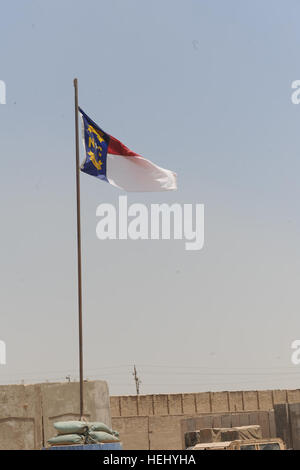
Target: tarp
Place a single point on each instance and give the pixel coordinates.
(222, 434)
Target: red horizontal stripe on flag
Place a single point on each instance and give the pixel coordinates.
(116, 147)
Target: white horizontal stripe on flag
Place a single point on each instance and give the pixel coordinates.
(138, 174)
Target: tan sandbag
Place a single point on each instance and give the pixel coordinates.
(98, 426)
(66, 439)
(71, 427)
(100, 436)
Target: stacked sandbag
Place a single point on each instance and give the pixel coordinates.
(80, 432)
(67, 439)
(69, 432)
(99, 432)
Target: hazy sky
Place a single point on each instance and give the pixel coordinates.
(203, 88)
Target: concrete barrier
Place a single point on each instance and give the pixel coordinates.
(20, 417)
(60, 402)
(27, 412)
(287, 417)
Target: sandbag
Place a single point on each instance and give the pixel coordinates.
(71, 427)
(97, 426)
(100, 436)
(67, 439)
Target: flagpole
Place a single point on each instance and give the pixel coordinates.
(79, 250)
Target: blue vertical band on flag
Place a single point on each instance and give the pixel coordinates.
(96, 144)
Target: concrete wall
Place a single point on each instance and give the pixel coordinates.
(287, 418)
(154, 421)
(60, 402)
(20, 417)
(27, 412)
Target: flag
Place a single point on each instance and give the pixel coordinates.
(109, 160)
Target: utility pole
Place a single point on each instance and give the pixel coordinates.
(137, 380)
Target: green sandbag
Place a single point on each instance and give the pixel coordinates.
(100, 436)
(97, 426)
(67, 439)
(71, 427)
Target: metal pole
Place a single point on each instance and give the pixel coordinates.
(79, 249)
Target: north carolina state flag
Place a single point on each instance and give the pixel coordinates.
(111, 161)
